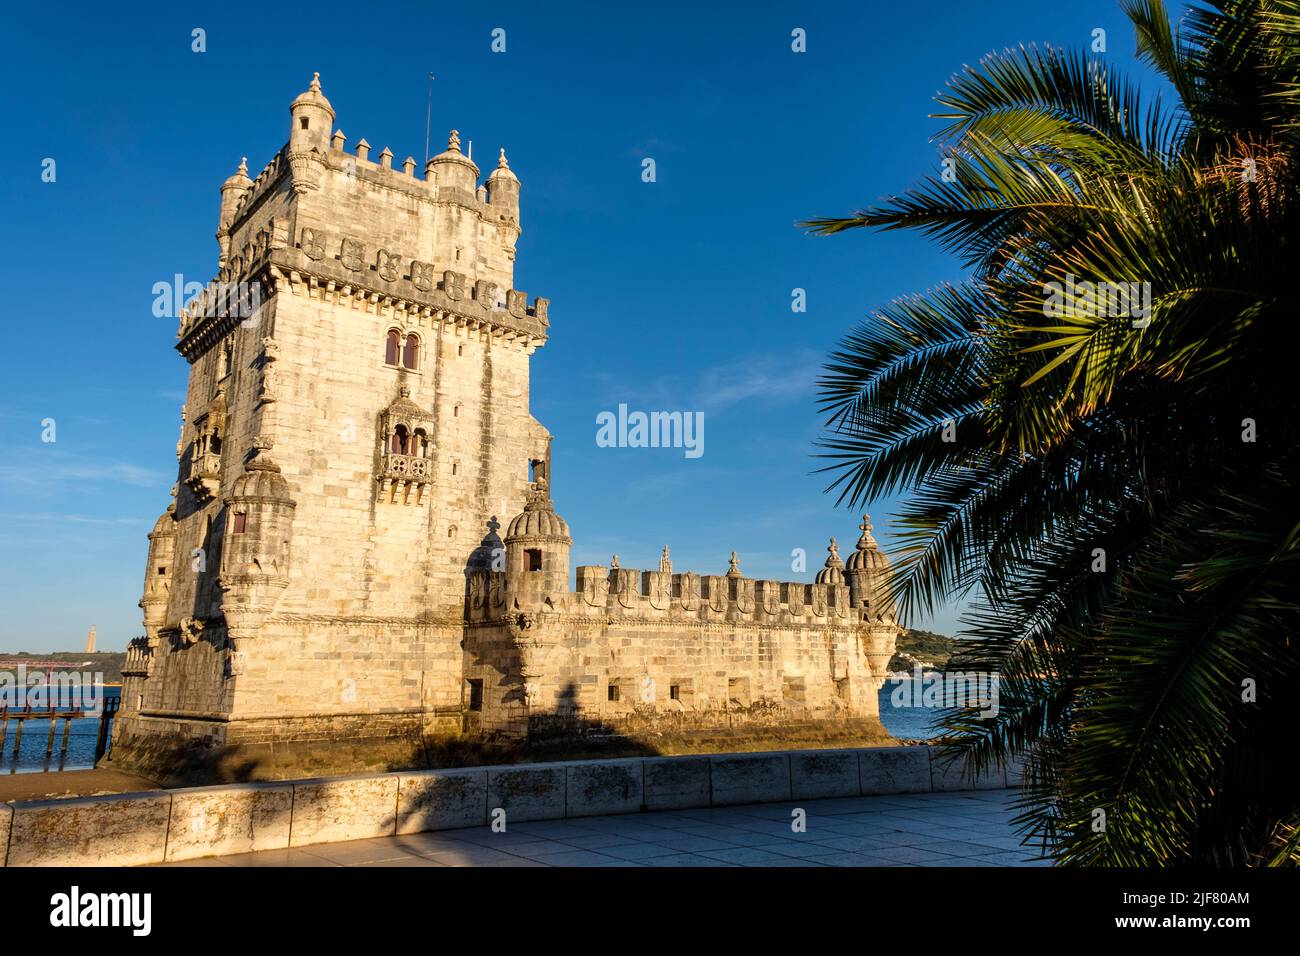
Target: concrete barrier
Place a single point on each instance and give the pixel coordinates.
(818, 774)
(527, 791)
(884, 770)
(676, 783)
(334, 809)
(441, 800)
(217, 821)
(124, 829)
(749, 778)
(604, 786)
(158, 826)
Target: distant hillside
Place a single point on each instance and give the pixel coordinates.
(921, 646)
(109, 664)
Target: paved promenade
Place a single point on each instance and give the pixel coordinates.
(924, 829)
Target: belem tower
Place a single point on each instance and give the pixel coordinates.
(363, 564)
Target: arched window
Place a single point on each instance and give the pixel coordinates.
(411, 354)
(392, 347)
(420, 444)
(400, 441)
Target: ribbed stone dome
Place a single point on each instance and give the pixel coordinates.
(538, 519)
(833, 572)
(868, 556)
(312, 96)
(261, 481)
(166, 523)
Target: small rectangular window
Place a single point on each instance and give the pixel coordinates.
(162, 570)
(534, 558)
(675, 692)
(475, 694)
(304, 122)
(613, 692)
(240, 522)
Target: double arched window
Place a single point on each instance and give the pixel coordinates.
(402, 352)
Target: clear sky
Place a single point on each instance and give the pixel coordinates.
(671, 295)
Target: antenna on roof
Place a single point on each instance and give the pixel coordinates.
(428, 115)
(470, 155)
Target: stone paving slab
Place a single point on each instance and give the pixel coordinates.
(970, 828)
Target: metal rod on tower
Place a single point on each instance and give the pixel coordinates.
(428, 117)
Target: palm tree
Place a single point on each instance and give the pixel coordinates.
(1112, 488)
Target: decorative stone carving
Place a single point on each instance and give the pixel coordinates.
(453, 285)
(352, 255)
(422, 275)
(191, 630)
(388, 265)
(270, 354)
(313, 244)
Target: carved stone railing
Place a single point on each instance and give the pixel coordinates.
(205, 475)
(412, 468)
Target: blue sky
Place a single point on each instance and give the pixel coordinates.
(672, 295)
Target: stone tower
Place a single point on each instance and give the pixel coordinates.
(356, 424)
(329, 590)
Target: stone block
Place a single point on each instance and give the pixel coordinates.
(333, 809)
(598, 787)
(527, 792)
(126, 829)
(950, 774)
(441, 800)
(816, 774)
(676, 783)
(885, 770)
(216, 821)
(749, 778)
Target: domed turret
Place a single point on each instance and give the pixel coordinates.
(833, 572)
(868, 572)
(233, 191)
(451, 167)
(503, 188)
(309, 135)
(313, 117)
(537, 544)
(158, 574)
(255, 549)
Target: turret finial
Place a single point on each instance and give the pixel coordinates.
(665, 564)
(243, 167)
(501, 162)
(733, 571)
(453, 143)
(315, 83)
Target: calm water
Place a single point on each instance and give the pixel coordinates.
(905, 723)
(31, 754)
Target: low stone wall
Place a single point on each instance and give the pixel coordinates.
(170, 825)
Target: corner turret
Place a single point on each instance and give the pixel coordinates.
(309, 136)
(503, 188)
(255, 550)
